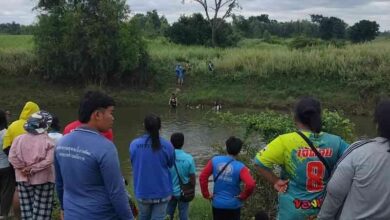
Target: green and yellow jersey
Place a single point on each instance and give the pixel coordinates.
(307, 175)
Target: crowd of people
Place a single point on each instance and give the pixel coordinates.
(321, 175)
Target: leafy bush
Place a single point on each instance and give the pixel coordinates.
(86, 41)
(263, 127)
(303, 42)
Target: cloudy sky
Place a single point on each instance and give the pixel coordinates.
(350, 11)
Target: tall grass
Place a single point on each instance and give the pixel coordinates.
(255, 73)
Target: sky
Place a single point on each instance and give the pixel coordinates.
(350, 11)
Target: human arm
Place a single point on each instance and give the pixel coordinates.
(170, 155)
(204, 180)
(114, 184)
(59, 182)
(265, 160)
(337, 189)
(278, 184)
(46, 162)
(192, 172)
(14, 156)
(249, 182)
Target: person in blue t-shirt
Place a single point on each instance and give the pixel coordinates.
(185, 165)
(89, 182)
(151, 157)
(228, 174)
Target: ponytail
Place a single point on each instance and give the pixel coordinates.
(152, 126)
(382, 119)
(308, 112)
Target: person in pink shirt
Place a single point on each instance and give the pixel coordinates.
(32, 156)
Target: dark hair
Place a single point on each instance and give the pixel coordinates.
(308, 112)
(261, 216)
(152, 126)
(233, 145)
(382, 119)
(3, 120)
(177, 140)
(92, 101)
(55, 124)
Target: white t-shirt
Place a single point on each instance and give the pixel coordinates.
(55, 136)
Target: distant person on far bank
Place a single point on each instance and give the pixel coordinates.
(210, 66)
(89, 181)
(228, 173)
(183, 178)
(173, 101)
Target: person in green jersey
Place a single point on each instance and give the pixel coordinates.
(303, 176)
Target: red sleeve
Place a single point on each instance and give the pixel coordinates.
(249, 182)
(204, 179)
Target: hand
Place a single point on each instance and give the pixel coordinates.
(26, 171)
(211, 196)
(239, 197)
(62, 215)
(281, 185)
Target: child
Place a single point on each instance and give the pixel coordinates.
(185, 167)
(228, 173)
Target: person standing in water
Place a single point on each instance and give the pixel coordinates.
(173, 101)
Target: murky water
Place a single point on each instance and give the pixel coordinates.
(200, 134)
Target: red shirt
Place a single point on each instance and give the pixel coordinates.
(75, 124)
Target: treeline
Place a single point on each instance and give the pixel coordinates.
(195, 30)
(16, 29)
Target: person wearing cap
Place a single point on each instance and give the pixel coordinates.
(31, 155)
(14, 130)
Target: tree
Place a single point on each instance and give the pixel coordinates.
(196, 30)
(86, 41)
(363, 31)
(330, 27)
(213, 16)
(189, 30)
(151, 24)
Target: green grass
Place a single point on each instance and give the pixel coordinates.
(16, 42)
(200, 209)
(255, 74)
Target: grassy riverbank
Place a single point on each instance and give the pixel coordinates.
(255, 74)
(200, 209)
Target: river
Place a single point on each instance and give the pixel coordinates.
(200, 134)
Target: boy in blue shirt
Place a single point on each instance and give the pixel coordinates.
(186, 169)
